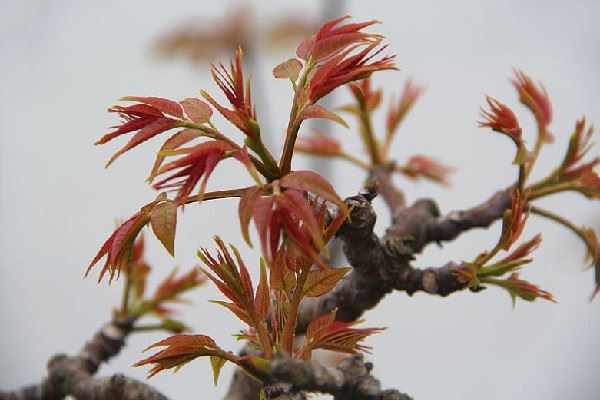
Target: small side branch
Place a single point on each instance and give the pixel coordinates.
(73, 375)
(422, 220)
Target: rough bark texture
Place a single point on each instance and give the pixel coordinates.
(350, 380)
(423, 222)
(74, 375)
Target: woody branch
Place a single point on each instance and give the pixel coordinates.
(74, 375)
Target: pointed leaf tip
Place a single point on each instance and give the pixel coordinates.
(317, 111)
(217, 364)
(163, 220)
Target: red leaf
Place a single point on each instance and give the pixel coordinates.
(262, 299)
(322, 145)
(317, 111)
(330, 40)
(398, 110)
(534, 97)
(344, 68)
(199, 162)
(167, 106)
(118, 247)
(177, 140)
(147, 132)
(197, 110)
(246, 281)
(246, 207)
(282, 277)
(419, 166)
(525, 290)
(262, 214)
(128, 126)
(180, 350)
(295, 203)
(523, 250)
(236, 310)
(501, 119)
(234, 282)
(327, 333)
(231, 83)
(312, 182)
(173, 286)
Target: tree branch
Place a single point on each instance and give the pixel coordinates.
(379, 267)
(350, 380)
(422, 220)
(74, 375)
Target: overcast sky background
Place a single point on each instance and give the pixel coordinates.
(63, 62)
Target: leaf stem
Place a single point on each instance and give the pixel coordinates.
(564, 222)
(285, 163)
(265, 155)
(218, 194)
(264, 337)
(368, 135)
(528, 167)
(126, 290)
(552, 189)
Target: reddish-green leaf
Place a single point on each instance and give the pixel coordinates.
(173, 286)
(172, 143)
(327, 333)
(282, 277)
(245, 280)
(317, 111)
(527, 291)
(180, 350)
(147, 132)
(262, 299)
(237, 311)
(119, 246)
(198, 163)
(197, 110)
(234, 282)
(420, 166)
(185, 340)
(163, 220)
(321, 145)
(321, 281)
(535, 97)
(319, 324)
(289, 69)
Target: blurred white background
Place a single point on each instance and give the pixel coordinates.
(63, 62)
